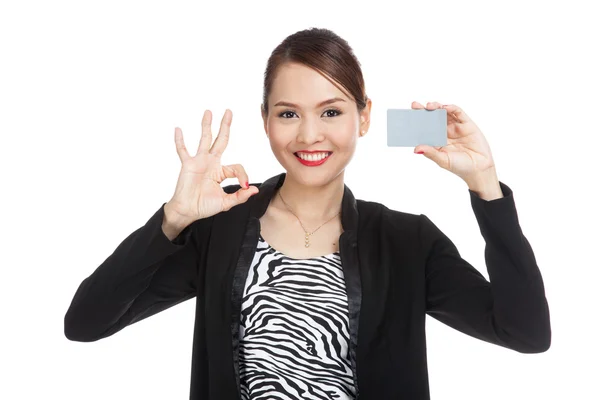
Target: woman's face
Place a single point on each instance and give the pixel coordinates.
(298, 123)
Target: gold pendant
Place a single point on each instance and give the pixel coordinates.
(306, 243)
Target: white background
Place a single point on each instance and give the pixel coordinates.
(90, 94)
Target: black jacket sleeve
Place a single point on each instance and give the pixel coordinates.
(511, 309)
(146, 274)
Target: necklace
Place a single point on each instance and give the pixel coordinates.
(306, 233)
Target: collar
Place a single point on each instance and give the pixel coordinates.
(268, 189)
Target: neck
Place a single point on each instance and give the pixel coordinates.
(312, 203)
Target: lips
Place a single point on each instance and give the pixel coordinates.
(313, 163)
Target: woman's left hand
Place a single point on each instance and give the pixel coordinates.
(467, 153)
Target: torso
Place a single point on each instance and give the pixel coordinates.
(293, 309)
(283, 232)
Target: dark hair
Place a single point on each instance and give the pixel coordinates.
(324, 51)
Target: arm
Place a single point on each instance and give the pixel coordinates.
(146, 274)
(511, 310)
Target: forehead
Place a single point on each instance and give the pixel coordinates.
(303, 85)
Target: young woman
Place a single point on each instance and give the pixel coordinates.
(303, 291)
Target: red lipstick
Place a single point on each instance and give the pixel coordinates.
(314, 163)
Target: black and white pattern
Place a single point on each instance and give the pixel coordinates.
(294, 328)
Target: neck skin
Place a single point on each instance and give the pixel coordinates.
(312, 204)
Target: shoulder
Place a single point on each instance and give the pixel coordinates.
(378, 216)
(416, 230)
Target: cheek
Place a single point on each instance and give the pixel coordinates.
(274, 127)
(276, 134)
(277, 141)
(349, 144)
(346, 136)
(347, 126)
(280, 135)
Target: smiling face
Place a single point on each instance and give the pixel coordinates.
(310, 114)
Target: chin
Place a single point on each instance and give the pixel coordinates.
(313, 176)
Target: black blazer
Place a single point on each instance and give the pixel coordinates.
(398, 267)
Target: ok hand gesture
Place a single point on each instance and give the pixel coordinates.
(198, 193)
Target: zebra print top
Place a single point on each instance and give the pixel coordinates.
(294, 328)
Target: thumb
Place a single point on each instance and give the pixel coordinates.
(240, 196)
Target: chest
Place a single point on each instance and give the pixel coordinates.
(288, 237)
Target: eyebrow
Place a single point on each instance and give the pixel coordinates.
(321, 104)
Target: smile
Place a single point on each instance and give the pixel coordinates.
(313, 159)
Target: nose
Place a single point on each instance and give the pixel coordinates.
(310, 132)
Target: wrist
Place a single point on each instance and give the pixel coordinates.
(173, 221)
(486, 185)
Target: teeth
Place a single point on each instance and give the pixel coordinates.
(313, 156)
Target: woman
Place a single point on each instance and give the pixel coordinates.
(303, 291)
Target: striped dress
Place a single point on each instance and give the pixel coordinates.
(294, 328)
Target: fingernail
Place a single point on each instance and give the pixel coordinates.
(246, 184)
(420, 152)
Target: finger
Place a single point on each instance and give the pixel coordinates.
(206, 138)
(237, 171)
(433, 105)
(223, 137)
(457, 112)
(180, 145)
(239, 197)
(417, 105)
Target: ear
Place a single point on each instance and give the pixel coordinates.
(365, 118)
(263, 113)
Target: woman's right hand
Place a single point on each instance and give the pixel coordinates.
(198, 193)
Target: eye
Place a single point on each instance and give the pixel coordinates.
(286, 114)
(336, 111)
